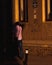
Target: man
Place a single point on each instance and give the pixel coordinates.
(18, 40)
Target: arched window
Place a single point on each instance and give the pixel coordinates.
(47, 10)
(20, 10)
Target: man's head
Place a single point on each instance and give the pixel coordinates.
(19, 24)
(19, 32)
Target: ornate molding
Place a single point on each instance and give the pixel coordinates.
(39, 50)
(36, 42)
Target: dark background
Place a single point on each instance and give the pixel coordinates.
(6, 26)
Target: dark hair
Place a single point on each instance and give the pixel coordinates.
(18, 23)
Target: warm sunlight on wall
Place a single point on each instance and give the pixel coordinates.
(48, 8)
(22, 10)
(48, 4)
(43, 10)
(15, 11)
(18, 7)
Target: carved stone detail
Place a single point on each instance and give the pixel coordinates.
(39, 50)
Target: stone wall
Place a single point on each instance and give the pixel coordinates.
(35, 29)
